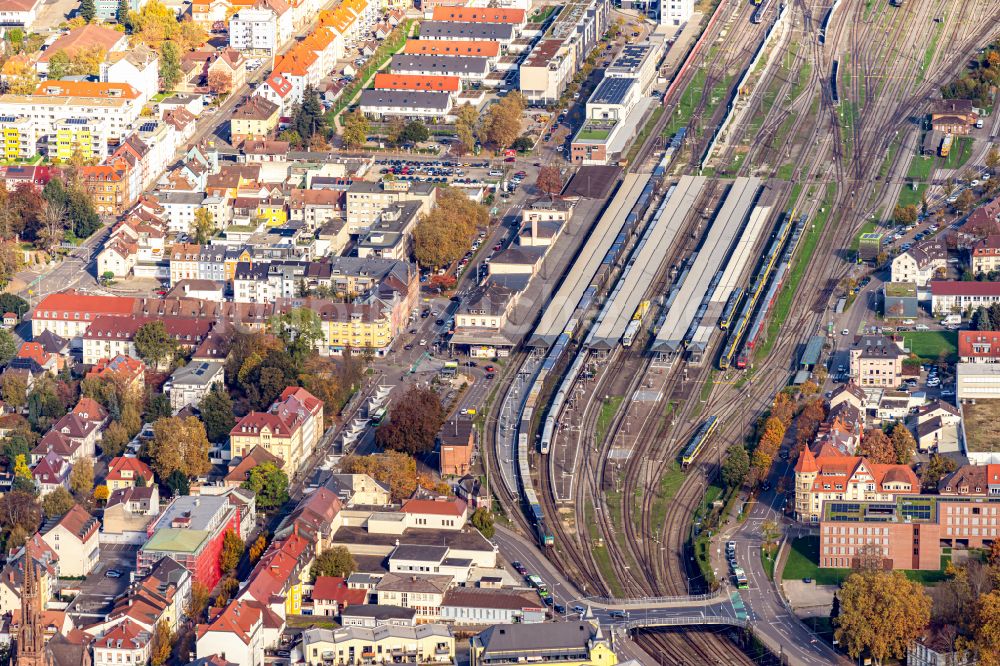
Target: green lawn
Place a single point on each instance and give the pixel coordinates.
(920, 168)
(785, 171)
(670, 483)
(909, 196)
(646, 129)
(961, 151)
(803, 562)
(768, 564)
(930, 345)
(593, 134)
(608, 411)
(602, 556)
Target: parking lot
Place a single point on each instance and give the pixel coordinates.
(98, 591)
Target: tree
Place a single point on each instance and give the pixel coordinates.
(549, 180)
(23, 79)
(414, 422)
(102, 493)
(502, 122)
(736, 466)
(232, 550)
(179, 445)
(394, 130)
(178, 483)
(355, 129)
(523, 144)
(966, 200)
(881, 612)
(482, 520)
(158, 408)
(992, 159)
(415, 132)
(18, 509)
(14, 388)
(170, 65)
(200, 595)
(308, 119)
(936, 469)
(163, 644)
(397, 471)
(217, 414)
(204, 226)
(154, 344)
(115, 439)
(270, 484)
(220, 82)
(336, 561)
(444, 234)
(121, 15)
(57, 503)
(300, 329)
(905, 214)
(59, 65)
(877, 447)
(8, 346)
(903, 444)
(13, 303)
(81, 477)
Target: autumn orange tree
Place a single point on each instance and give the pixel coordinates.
(877, 447)
(882, 612)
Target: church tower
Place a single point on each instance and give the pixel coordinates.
(31, 634)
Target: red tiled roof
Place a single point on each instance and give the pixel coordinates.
(238, 619)
(136, 466)
(448, 507)
(66, 304)
(417, 82)
(979, 344)
(478, 14)
(334, 588)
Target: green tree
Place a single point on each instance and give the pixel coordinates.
(87, 10)
(217, 414)
(158, 408)
(523, 144)
(336, 561)
(415, 132)
(57, 503)
(170, 65)
(59, 65)
(154, 344)
(270, 484)
(355, 129)
(8, 346)
(13, 303)
(232, 550)
(300, 329)
(482, 520)
(466, 120)
(414, 422)
(115, 440)
(308, 118)
(736, 466)
(936, 469)
(881, 612)
(204, 225)
(121, 15)
(178, 483)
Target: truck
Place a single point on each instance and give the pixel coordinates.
(952, 320)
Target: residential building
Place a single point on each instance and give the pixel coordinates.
(986, 255)
(979, 346)
(569, 643)
(921, 263)
(126, 642)
(189, 385)
(937, 648)
(110, 337)
(503, 33)
(456, 445)
(423, 644)
(109, 187)
(235, 634)
(961, 297)
(331, 595)
(129, 512)
(423, 593)
(907, 531)
(459, 47)
(876, 360)
(254, 119)
(68, 314)
(260, 30)
(358, 489)
(51, 472)
(240, 466)
(74, 537)
(371, 616)
(20, 137)
(289, 430)
(406, 104)
(366, 201)
(455, 13)
(390, 237)
(282, 573)
(834, 476)
(442, 513)
(938, 424)
(77, 41)
(466, 68)
(20, 13)
(125, 472)
(190, 531)
(138, 66)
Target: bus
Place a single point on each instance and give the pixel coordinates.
(378, 417)
(741, 578)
